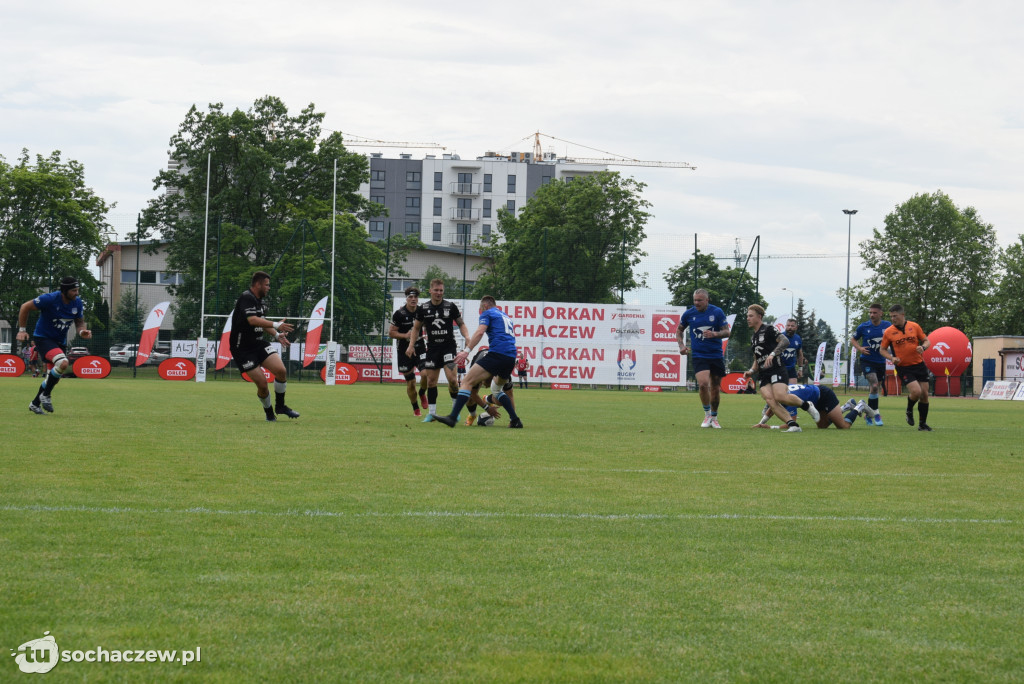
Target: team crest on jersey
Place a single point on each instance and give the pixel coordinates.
(447, 312)
(711, 318)
(74, 311)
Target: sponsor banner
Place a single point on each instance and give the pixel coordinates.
(733, 383)
(93, 367)
(330, 368)
(150, 331)
(176, 369)
(819, 361)
(949, 352)
(1019, 394)
(344, 374)
(11, 365)
(186, 349)
(267, 374)
(652, 388)
(361, 353)
(837, 364)
(202, 353)
(1014, 366)
(561, 386)
(297, 350)
(224, 347)
(999, 389)
(313, 329)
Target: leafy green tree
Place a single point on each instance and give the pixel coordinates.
(574, 241)
(934, 258)
(452, 284)
(126, 326)
(50, 226)
(271, 186)
(1003, 311)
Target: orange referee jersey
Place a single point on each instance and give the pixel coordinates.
(904, 343)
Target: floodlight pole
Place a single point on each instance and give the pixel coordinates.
(334, 230)
(846, 329)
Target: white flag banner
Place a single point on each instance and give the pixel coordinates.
(837, 364)
(819, 362)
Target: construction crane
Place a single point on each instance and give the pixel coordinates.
(352, 140)
(614, 160)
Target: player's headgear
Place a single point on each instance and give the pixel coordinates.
(412, 290)
(68, 283)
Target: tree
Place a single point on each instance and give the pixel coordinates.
(126, 326)
(1003, 310)
(50, 225)
(575, 241)
(932, 257)
(452, 284)
(271, 190)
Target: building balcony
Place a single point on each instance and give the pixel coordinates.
(463, 214)
(465, 189)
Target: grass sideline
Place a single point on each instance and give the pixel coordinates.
(611, 540)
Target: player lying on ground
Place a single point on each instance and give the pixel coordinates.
(825, 400)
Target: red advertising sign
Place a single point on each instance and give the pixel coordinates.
(665, 367)
(11, 366)
(267, 374)
(94, 367)
(733, 383)
(344, 374)
(949, 352)
(663, 329)
(176, 369)
(561, 386)
(652, 388)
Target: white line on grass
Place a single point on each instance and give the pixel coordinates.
(319, 513)
(670, 471)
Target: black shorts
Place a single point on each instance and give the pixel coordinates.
(406, 364)
(522, 374)
(45, 348)
(716, 366)
(498, 365)
(868, 367)
(439, 356)
(916, 373)
(773, 376)
(827, 401)
(247, 359)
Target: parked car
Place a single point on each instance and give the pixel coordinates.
(76, 353)
(125, 354)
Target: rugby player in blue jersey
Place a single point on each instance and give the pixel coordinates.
(872, 363)
(57, 312)
(793, 355)
(827, 404)
(707, 330)
(498, 363)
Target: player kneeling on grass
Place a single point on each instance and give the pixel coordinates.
(827, 404)
(252, 353)
(498, 363)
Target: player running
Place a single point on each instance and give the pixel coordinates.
(707, 330)
(401, 328)
(908, 342)
(498, 363)
(438, 317)
(58, 310)
(872, 363)
(252, 353)
(825, 400)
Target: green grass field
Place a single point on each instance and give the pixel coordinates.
(611, 540)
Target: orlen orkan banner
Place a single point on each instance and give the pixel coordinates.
(601, 344)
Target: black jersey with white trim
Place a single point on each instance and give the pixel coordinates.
(439, 321)
(243, 335)
(763, 342)
(403, 320)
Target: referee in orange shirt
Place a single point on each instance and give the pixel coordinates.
(907, 342)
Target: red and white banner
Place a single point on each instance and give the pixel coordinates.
(316, 324)
(11, 365)
(999, 389)
(92, 367)
(150, 331)
(344, 374)
(837, 364)
(733, 383)
(819, 362)
(176, 369)
(224, 347)
(605, 344)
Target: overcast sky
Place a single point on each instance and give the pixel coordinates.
(791, 111)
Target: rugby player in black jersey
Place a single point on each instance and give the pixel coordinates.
(252, 353)
(401, 327)
(438, 318)
(767, 345)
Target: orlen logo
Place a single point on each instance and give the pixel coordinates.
(344, 374)
(176, 369)
(94, 367)
(267, 374)
(319, 311)
(663, 329)
(665, 367)
(11, 366)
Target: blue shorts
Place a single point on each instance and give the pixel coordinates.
(869, 367)
(47, 349)
(498, 365)
(716, 366)
(791, 370)
(827, 399)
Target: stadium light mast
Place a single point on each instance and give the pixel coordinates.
(849, 232)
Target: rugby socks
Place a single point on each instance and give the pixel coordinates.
(791, 423)
(873, 401)
(910, 405)
(506, 402)
(460, 400)
(922, 411)
(851, 416)
(707, 410)
(279, 389)
(264, 400)
(432, 400)
(52, 378)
